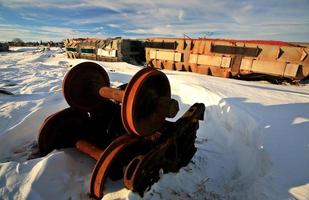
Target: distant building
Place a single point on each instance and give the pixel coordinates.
(4, 47)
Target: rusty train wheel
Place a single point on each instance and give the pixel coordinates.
(61, 130)
(139, 111)
(115, 157)
(81, 86)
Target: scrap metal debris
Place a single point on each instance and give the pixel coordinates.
(124, 129)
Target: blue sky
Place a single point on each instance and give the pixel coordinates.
(35, 20)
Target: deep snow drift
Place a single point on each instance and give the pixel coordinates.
(252, 144)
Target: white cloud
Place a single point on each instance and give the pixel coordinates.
(263, 19)
(180, 15)
(113, 25)
(138, 31)
(45, 33)
(44, 4)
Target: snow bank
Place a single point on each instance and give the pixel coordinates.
(252, 144)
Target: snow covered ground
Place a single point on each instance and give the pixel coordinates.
(252, 144)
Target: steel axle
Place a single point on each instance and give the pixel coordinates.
(146, 101)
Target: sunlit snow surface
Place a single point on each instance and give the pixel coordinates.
(252, 144)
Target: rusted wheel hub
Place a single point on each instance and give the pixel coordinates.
(81, 85)
(146, 102)
(61, 130)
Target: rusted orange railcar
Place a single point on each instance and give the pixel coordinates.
(229, 58)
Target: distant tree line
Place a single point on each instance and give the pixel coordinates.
(19, 42)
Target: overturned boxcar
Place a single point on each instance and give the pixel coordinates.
(229, 58)
(110, 49)
(216, 57)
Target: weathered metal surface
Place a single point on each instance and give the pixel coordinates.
(62, 130)
(81, 86)
(111, 93)
(199, 55)
(146, 101)
(261, 66)
(165, 55)
(110, 49)
(173, 149)
(113, 159)
(89, 149)
(230, 58)
(244, 51)
(124, 129)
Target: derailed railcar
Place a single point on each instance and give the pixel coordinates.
(229, 58)
(110, 49)
(88, 49)
(118, 49)
(72, 47)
